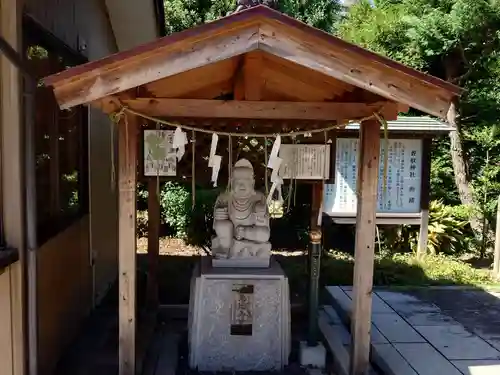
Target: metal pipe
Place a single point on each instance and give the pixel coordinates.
(314, 263)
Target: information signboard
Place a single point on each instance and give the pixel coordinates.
(403, 184)
(305, 162)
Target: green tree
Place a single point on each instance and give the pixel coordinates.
(183, 14)
(459, 41)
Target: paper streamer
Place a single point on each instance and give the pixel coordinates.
(274, 152)
(275, 186)
(214, 161)
(213, 147)
(275, 164)
(320, 215)
(179, 142)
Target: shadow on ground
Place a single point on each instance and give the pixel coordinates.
(94, 352)
(175, 273)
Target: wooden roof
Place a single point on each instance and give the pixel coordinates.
(255, 55)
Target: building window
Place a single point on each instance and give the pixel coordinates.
(61, 143)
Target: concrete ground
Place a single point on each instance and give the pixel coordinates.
(477, 310)
(446, 331)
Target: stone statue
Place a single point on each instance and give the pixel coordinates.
(241, 222)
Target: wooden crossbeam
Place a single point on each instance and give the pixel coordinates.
(201, 108)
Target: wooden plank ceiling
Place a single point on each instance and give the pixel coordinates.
(270, 78)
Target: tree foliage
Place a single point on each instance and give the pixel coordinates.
(459, 41)
(456, 40)
(183, 14)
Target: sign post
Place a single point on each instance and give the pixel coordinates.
(159, 161)
(310, 162)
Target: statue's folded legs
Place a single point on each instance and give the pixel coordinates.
(224, 230)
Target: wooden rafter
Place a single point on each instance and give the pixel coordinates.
(248, 83)
(221, 109)
(196, 81)
(306, 80)
(349, 68)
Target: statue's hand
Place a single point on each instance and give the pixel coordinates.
(239, 233)
(221, 213)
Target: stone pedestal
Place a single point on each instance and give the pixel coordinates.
(239, 318)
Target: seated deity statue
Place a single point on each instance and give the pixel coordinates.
(241, 219)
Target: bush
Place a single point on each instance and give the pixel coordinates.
(174, 202)
(142, 223)
(446, 232)
(195, 225)
(192, 225)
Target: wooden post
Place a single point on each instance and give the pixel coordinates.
(127, 158)
(153, 242)
(367, 183)
(423, 234)
(496, 261)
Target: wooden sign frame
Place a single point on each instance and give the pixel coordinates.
(315, 177)
(142, 150)
(387, 218)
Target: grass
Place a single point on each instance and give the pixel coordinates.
(397, 270)
(390, 270)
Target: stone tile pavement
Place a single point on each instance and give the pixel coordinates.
(432, 331)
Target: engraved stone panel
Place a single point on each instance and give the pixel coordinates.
(242, 310)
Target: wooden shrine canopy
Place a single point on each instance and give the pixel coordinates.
(263, 67)
(256, 54)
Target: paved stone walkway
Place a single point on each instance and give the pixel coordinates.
(428, 332)
(477, 310)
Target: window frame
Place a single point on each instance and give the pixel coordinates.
(36, 34)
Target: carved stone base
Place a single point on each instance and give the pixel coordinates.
(243, 253)
(239, 319)
(241, 263)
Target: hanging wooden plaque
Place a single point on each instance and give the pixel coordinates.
(159, 156)
(305, 161)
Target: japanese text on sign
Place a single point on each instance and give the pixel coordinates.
(402, 194)
(159, 156)
(305, 162)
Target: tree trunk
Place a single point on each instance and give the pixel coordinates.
(462, 179)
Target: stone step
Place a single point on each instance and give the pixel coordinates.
(338, 339)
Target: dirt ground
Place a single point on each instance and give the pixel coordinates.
(170, 246)
(177, 260)
(177, 247)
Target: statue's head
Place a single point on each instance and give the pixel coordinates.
(243, 181)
